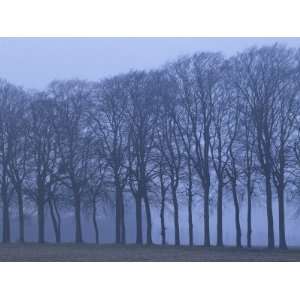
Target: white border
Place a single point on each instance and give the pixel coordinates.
(149, 280)
(158, 18)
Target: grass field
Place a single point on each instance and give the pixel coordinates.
(88, 252)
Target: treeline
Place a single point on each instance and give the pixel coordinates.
(203, 128)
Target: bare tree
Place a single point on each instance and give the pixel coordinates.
(142, 113)
(43, 162)
(170, 148)
(233, 166)
(220, 146)
(19, 152)
(180, 75)
(245, 140)
(248, 166)
(262, 77)
(109, 123)
(73, 139)
(286, 112)
(163, 187)
(199, 77)
(95, 189)
(8, 99)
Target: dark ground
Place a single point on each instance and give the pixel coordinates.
(88, 252)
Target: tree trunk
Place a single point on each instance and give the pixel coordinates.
(118, 217)
(206, 217)
(78, 229)
(58, 237)
(5, 212)
(190, 206)
(5, 220)
(120, 213)
(176, 217)
(281, 211)
(162, 219)
(148, 218)
(220, 214)
(237, 215)
(123, 226)
(6, 225)
(95, 222)
(249, 213)
(54, 222)
(21, 215)
(41, 219)
(190, 220)
(138, 216)
(271, 242)
(206, 183)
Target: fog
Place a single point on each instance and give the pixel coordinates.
(34, 62)
(107, 226)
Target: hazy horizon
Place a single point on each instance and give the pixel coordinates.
(34, 62)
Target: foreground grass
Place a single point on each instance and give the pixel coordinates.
(89, 252)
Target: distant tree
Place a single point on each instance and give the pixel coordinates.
(179, 73)
(261, 77)
(170, 147)
(199, 77)
(163, 187)
(286, 112)
(19, 151)
(9, 95)
(142, 115)
(73, 140)
(109, 123)
(220, 146)
(247, 140)
(96, 188)
(233, 166)
(42, 162)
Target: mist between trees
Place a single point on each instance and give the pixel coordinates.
(203, 129)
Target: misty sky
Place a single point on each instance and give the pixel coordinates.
(34, 62)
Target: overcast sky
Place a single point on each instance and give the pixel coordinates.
(34, 62)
